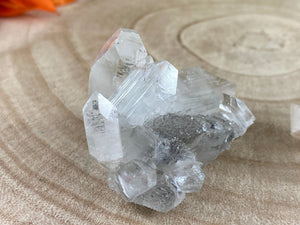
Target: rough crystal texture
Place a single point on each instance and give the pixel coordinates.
(205, 136)
(143, 90)
(156, 129)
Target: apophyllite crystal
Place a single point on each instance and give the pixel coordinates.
(153, 129)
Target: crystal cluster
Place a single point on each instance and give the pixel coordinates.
(154, 127)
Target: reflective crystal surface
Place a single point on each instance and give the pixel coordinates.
(162, 197)
(187, 175)
(133, 179)
(138, 97)
(121, 54)
(199, 92)
(237, 112)
(155, 129)
(102, 128)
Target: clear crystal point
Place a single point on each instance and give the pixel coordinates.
(121, 54)
(236, 111)
(132, 179)
(167, 78)
(187, 175)
(102, 128)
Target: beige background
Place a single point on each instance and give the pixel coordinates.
(46, 173)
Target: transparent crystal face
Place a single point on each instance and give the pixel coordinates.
(187, 175)
(236, 111)
(121, 54)
(102, 129)
(138, 97)
(154, 128)
(163, 197)
(199, 93)
(134, 178)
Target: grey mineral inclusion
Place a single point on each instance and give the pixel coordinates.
(154, 127)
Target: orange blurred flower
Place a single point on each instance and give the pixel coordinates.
(17, 7)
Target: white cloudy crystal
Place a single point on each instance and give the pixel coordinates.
(122, 53)
(167, 77)
(155, 129)
(102, 128)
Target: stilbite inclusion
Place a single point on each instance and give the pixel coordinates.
(154, 129)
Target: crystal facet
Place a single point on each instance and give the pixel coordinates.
(162, 197)
(102, 128)
(143, 90)
(121, 54)
(187, 175)
(154, 129)
(133, 179)
(199, 92)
